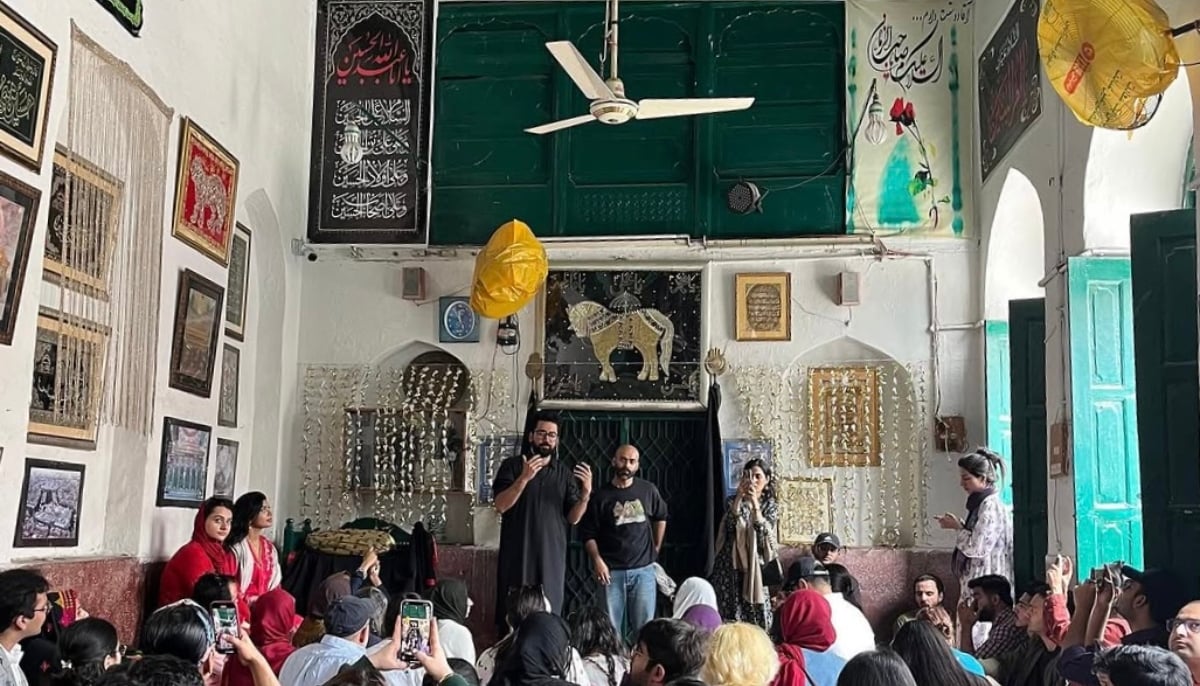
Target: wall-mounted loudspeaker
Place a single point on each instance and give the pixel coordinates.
(412, 283)
(849, 286)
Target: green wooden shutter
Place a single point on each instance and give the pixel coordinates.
(1168, 399)
(1027, 346)
(999, 396)
(1108, 499)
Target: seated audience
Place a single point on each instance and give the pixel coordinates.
(540, 653)
(39, 654)
(879, 667)
(1147, 602)
(23, 610)
(844, 583)
(347, 625)
(929, 657)
(940, 619)
(523, 601)
(333, 587)
(1185, 637)
(463, 669)
(740, 654)
(853, 632)
(153, 670)
(826, 548)
(451, 605)
(204, 554)
(696, 604)
(186, 631)
(257, 559)
(272, 623)
(991, 601)
(87, 649)
(805, 634)
(214, 588)
(1136, 665)
(603, 653)
(928, 592)
(668, 651)
(1035, 662)
(379, 607)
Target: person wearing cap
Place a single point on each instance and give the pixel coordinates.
(826, 548)
(1148, 600)
(854, 632)
(347, 627)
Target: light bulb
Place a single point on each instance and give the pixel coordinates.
(876, 132)
(352, 150)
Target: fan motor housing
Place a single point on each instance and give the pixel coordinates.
(614, 111)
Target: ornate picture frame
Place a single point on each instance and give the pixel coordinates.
(237, 289)
(87, 238)
(18, 216)
(805, 509)
(843, 416)
(227, 404)
(196, 332)
(205, 193)
(67, 382)
(183, 463)
(225, 471)
(763, 306)
(27, 59)
(648, 323)
(50, 506)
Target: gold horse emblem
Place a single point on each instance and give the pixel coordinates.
(646, 330)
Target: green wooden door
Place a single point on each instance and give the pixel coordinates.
(1108, 495)
(1168, 399)
(999, 396)
(1027, 348)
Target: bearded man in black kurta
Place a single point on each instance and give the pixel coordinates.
(540, 498)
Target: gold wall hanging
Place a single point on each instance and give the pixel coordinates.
(843, 417)
(806, 509)
(763, 307)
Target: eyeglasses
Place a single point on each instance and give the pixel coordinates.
(44, 608)
(1191, 626)
(545, 434)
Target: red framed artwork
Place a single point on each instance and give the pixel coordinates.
(205, 193)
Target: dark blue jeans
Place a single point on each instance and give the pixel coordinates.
(631, 595)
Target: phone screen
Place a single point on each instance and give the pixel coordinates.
(415, 616)
(225, 622)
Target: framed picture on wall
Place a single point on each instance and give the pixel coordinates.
(488, 455)
(51, 500)
(79, 247)
(197, 328)
(67, 382)
(18, 210)
(805, 509)
(183, 463)
(226, 470)
(843, 417)
(763, 307)
(205, 193)
(737, 452)
(27, 74)
(227, 407)
(238, 288)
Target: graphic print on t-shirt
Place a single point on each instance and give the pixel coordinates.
(629, 512)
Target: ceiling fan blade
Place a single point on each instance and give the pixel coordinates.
(561, 124)
(682, 107)
(579, 70)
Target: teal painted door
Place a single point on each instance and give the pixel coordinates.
(999, 396)
(1168, 399)
(1027, 348)
(1108, 497)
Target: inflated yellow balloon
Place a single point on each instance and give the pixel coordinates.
(509, 271)
(1108, 59)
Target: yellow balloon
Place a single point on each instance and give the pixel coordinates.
(509, 271)
(1108, 59)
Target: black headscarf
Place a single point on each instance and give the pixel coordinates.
(449, 600)
(540, 653)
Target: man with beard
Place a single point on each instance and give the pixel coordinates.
(622, 533)
(991, 601)
(667, 652)
(928, 592)
(540, 498)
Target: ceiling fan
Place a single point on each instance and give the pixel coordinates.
(608, 102)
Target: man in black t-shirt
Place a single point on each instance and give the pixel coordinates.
(622, 532)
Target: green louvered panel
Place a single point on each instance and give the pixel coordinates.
(670, 176)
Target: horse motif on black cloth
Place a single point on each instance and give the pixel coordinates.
(646, 330)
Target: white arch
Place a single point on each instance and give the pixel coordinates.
(1016, 247)
(1131, 174)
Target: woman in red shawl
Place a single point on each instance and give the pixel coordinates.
(804, 625)
(204, 554)
(272, 622)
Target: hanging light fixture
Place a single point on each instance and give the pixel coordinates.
(352, 150)
(877, 131)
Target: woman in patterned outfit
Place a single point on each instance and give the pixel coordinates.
(746, 541)
(984, 538)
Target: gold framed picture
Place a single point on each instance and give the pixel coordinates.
(763, 306)
(68, 378)
(843, 417)
(85, 211)
(205, 193)
(805, 509)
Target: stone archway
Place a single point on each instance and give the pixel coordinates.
(1015, 247)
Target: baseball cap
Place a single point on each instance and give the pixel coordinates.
(805, 568)
(347, 616)
(827, 539)
(1162, 589)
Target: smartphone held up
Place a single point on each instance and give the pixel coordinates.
(225, 623)
(415, 618)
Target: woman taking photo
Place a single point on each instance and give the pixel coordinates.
(204, 554)
(984, 544)
(745, 544)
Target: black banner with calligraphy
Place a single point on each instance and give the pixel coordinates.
(128, 12)
(374, 71)
(1010, 84)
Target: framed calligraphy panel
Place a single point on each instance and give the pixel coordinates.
(128, 12)
(371, 122)
(68, 381)
(238, 287)
(843, 417)
(79, 247)
(805, 509)
(628, 339)
(205, 194)
(763, 307)
(26, 76)
(1010, 84)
